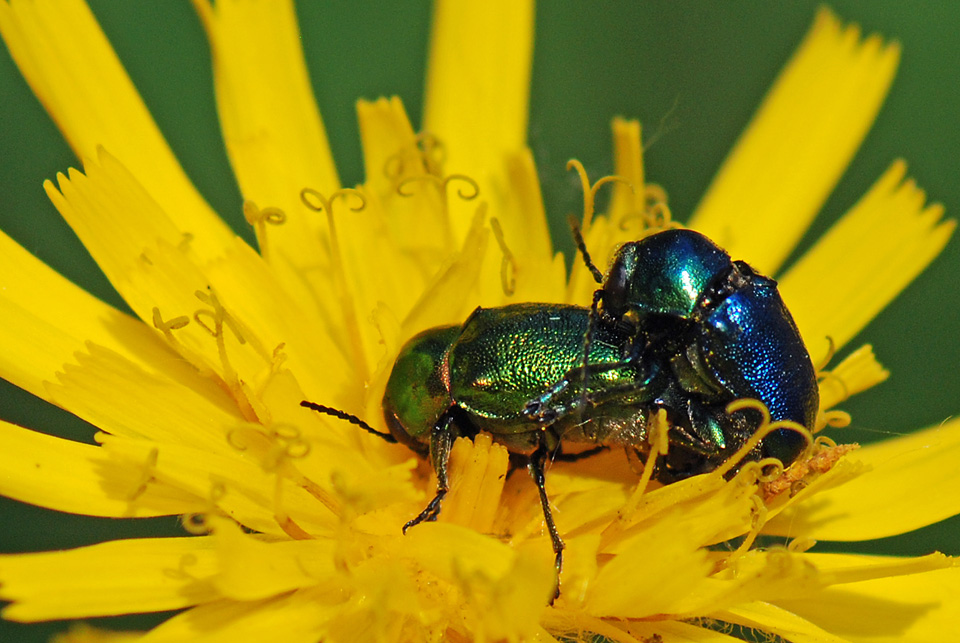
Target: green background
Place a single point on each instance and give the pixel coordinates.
(692, 72)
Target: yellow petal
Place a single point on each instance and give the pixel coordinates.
(112, 213)
(44, 319)
(679, 632)
(33, 348)
(82, 479)
(776, 620)
(629, 199)
(478, 88)
(72, 69)
(538, 273)
(171, 293)
(154, 267)
(386, 604)
(295, 618)
(757, 575)
(452, 291)
(120, 398)
(391, 149)
(679, 565)
(477, 472)
(272, 316)
(864, 261)
(271, 126)
(118, 577)
(629, 631)
(917, 608)
(856, 373)
(583, 502)
(842, 569)
(83, 633)
(912, 483)
(251, 569)
(502, 590)
(245, 489)
(798, 144)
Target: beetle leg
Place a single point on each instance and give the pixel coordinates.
(537, 459)
(581, 455)
(542, 409)
(441, 441)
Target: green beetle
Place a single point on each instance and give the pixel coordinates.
(520, 373)
(517, 372)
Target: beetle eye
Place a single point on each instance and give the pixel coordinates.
(615, 291)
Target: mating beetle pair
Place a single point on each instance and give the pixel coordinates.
(675, 325)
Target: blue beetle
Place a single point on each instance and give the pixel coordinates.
(724, 333)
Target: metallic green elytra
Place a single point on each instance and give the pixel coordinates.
(493, 373)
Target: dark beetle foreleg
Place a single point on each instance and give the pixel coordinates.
(441, 442)
(537, 459)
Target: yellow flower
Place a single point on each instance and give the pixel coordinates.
(299, 514)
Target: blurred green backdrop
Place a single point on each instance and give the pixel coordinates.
(699, 69)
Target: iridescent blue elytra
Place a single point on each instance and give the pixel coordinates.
(723, 328)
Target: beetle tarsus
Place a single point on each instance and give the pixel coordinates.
(429, 513)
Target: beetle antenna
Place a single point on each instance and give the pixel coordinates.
(352, 419)
(582, 247)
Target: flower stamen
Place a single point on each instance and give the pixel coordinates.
(831, 351)
(471, 193)
(429, 151)
(826, 453)
(166, 327)
(259, 219)
(657, 438)
(659, 217)
(590, 191)
(276, 448)
(319, 203)
(834, 419)
(766, 428)
(508, 264)
(758, 518)
(221, 318)
(196, 524)
(181, 573)
(200, 523)
(146, 474)
(176, 323)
